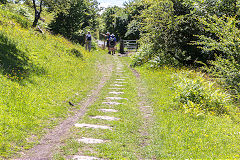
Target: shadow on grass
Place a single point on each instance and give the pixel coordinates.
(14, 63)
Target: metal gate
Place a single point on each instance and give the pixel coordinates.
(129, 45)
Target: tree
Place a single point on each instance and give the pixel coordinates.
(52, 5)
(3, 1)
(37, 12)
(109, 18)
(81, 14)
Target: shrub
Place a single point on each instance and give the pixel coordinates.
(227, 72)
(225, 68)
(143, 56)
(76, 53)
(195, 95)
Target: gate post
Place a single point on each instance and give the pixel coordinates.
(121, 46)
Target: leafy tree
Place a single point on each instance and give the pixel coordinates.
(134, 9)
(52, 5)
(109, 18)
(3, 1)
(226, 66)
(211, 7)
(81, 14)
(120, 24)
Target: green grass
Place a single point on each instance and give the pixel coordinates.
(39, 75)
(179, 135)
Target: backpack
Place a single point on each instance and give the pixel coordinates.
(112, 41)
(89, 37)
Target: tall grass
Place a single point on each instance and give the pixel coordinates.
(181, 135)
(39, 74)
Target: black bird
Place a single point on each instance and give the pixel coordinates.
(71, 104)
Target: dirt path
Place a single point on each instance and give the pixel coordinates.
(53, 139)
(146, 111)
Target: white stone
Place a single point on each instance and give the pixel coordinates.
(84, 158)
(112, 103)
(116, 92)
(90, 140)
(117, 85)
(91, 126)
(107, 110)
(117, 82)
(116, 88)
(116, 98)
(106, 118)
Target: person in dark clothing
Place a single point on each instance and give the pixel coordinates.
(107, 38)
(88, 41)
(112, 44)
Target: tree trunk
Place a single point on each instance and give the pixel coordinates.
(35, 22)
(37, 13)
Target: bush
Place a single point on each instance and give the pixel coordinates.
(76, 53)
(227, 72)
(3, 1)
(195, 95)
(225, 68)
(143, 56)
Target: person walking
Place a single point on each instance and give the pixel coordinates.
(88, 41)
(107, 38)
(112, 44)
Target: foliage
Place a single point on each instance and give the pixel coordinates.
(3, 1)
(134, 9)
(76, 53)
(143, 56)
(80, 15)
(170, 27)
(123, 22)
(214, 7)
(11, 15)
(226, 42)
(133, 30)
(197, 96)
(109, 19)
(227, 73)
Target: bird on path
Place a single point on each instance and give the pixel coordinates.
(71, 104)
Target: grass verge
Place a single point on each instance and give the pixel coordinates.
(179, 135)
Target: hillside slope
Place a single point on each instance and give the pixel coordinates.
(39, 75)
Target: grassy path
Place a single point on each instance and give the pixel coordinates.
(146, 126)
(125, 135)
(132, 117)
(53, 138)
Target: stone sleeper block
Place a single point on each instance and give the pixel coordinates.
(112, 103)
(116, 88)
(116, 92)
(117, 82)
(107, 110)
(90, 140)
(117, 85)
(116, 98)
(106, 118)
(84, 158)
(81, 125)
